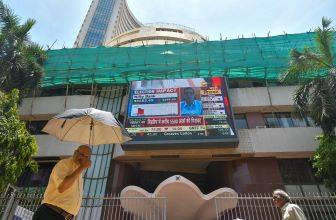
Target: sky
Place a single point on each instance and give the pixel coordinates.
(59, 21)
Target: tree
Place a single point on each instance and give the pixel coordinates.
(324, 160)
(16, 144)
(316, 94)
(20, 59)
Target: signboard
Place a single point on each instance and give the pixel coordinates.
(193, 112)
(22, 213)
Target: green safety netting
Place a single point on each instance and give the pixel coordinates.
(245, 58)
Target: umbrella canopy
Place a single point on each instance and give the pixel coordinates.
(87, 126)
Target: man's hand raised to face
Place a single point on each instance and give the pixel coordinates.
(86, 163)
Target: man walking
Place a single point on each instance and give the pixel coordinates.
(289, 211)
(63, 196)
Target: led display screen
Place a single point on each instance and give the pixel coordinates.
(180, 113)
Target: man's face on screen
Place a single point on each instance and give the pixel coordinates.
(189, 95)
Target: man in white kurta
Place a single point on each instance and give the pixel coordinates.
(289, 211)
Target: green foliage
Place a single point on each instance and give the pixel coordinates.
(324, 160)
(16, 144)
(20, 60)
(319, 59)
(315, 96)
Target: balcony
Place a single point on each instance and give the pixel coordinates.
(293, 142)
(274, 142)
(43, 108)
(279, 142)
(262, 99)
(50, 146)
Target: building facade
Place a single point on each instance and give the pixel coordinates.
(111, 23)
(274, 148)
(273, 152)
(104, 20)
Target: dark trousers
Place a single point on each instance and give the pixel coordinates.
(44, 212)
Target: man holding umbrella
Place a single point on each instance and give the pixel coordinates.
(89, 126)
(63, 196)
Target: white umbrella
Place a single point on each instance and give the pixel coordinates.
(87, 126)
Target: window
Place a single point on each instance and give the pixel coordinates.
(296, 171)
(271, 121)
(258, 84)
(299, 122)
(169, 29)
(274, 84)
(35, 127)
(98, 24)
(39, 179)
(121, 118)
(310, 122)
(62, 91)
(53, 92)
(286, 120)
(240, 121)
(245, 84)
(233, 84)
(298, 176)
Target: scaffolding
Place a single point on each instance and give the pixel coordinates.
(256, 58)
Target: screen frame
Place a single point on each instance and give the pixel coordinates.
(184, 144)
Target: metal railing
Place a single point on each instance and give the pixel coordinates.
(22, 206)
(316, 206)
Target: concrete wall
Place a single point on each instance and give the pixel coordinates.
(50, 146)
(284, 142)
(148, 35)
(43, 108)
(277, 142)
(247, 175)
(271, 142)
(243, 100)
(262, 99)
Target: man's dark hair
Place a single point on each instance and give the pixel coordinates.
(189, 88)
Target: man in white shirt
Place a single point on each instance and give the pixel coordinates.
(190, 106)
(289, 211)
